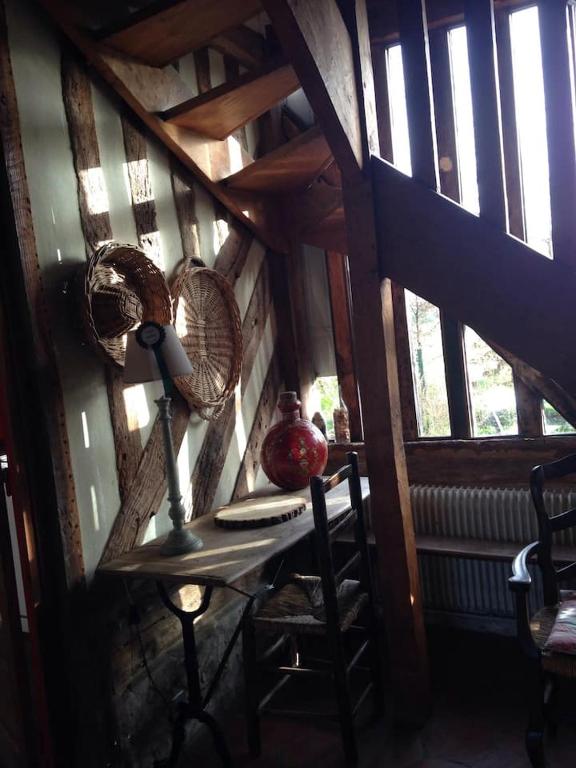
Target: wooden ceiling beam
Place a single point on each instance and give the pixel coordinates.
(313, 34)
(487, 279)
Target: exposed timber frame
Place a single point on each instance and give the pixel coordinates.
(350, 129)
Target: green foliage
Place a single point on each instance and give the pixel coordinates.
(427, 367)
(554, 423)
(328, 393)
(492, 389)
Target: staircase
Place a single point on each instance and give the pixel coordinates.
(326, 185)
(137, 52)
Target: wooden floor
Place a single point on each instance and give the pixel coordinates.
(478, 720)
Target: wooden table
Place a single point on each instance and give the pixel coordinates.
(227, 556)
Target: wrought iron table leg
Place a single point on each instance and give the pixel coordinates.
(194, 708)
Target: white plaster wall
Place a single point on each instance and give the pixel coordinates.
(35, 57)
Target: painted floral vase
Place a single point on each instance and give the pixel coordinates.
(294, 450)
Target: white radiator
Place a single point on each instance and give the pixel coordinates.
(463, 586)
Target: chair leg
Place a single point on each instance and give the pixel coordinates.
(537, 720)
(375, 665)
(251, 688)
(345, 717)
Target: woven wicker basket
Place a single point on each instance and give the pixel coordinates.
(208, 324)
(121, 287)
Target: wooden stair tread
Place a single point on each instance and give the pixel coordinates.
(221, 111)
(290, 167)
(477, 549)
(243, 44)
(164, 33)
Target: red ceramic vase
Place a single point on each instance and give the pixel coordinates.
(294, 450)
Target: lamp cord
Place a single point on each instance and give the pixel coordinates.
(134, 621)
(164, 372)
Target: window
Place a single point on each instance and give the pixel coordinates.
(425, 335)
(491, 389)
(463, 118)
(427, 367)
(531, 127)
(398, 113)
(324, 398)
(554, 423)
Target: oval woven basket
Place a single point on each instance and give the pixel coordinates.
(208, 324)
(121, 288)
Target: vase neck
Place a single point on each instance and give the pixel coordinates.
(289, 406)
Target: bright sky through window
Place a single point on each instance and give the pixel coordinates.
(463, 118)
(398, 113)
(531, 127)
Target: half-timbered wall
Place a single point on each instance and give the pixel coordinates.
(95, 174)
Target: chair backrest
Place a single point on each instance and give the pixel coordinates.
(548, 525)
(327, 533)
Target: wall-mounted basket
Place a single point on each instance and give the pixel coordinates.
(208, 324)
(121, 288)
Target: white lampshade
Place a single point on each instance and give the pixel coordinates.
(140, 363)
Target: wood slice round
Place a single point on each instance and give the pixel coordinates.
(260, 512)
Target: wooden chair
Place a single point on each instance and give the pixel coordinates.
(327, 606)
(545, 666)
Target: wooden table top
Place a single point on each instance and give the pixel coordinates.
(227, 555)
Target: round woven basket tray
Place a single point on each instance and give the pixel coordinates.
(208, 324)
(121, 288)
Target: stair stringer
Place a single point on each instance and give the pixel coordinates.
(489, 280)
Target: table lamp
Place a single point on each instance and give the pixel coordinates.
(154, 353)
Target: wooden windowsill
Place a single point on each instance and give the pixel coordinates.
(475, 549)
(492, 461)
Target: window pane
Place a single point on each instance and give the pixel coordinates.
(324, 397)
(531, 127)
(491, 389)
(463, 118)
(427, 367)
(554, 423)
(398, 114)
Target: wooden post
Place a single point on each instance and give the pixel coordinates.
(375, 345)
(314, 35)
(373, 320)
(452, 330)
(444, 113)
(404, 361)
(402, 338)
(419, 103)
(456, 377)
(295, 277)
(484, 76)
(338, 283)
(509, 132)
(486, 104)
(528, 401)
(559, 126)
